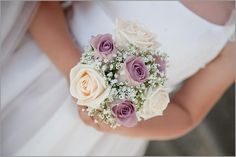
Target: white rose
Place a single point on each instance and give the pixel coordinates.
(88, 86)
(156, 102)
(134, 33)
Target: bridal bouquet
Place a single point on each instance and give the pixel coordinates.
(121, 78)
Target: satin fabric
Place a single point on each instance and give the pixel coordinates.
(38, 115)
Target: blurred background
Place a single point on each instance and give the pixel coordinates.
(214, 136)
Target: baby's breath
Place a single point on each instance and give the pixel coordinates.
(111, 70)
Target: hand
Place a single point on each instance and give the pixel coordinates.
(97, 123)
(92, 121)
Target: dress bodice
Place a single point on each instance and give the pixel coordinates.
(38, 114)
(189, 40)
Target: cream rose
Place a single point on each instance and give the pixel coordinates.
(88, 86)
(127, 32)
(156, 102)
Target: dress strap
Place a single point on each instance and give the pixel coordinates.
(230, 26)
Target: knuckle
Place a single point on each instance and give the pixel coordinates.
(86, 119)
(89, 121)
(105, 129)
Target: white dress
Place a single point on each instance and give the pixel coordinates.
(38, 115)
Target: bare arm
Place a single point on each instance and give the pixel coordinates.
(191, 103)
(187, 108)
(50, 31)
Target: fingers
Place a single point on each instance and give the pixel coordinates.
(102, 126)
(98, 124)
(94, 122)
(84, 115)
(88, 120)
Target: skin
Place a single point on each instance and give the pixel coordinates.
(188, 106)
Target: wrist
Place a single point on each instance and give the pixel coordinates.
(69, 65)
(67, 60)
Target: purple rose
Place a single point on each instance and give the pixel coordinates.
(125, 113)
(103, 46)
(136, 71)
(161, 64)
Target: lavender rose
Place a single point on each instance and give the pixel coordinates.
(134, 71)
(161, 64)
(103, 46)
(125, 113)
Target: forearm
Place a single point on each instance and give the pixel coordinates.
(175, 122)
(187, 108)
(192, 102)
(50, 31)
(204, 89)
